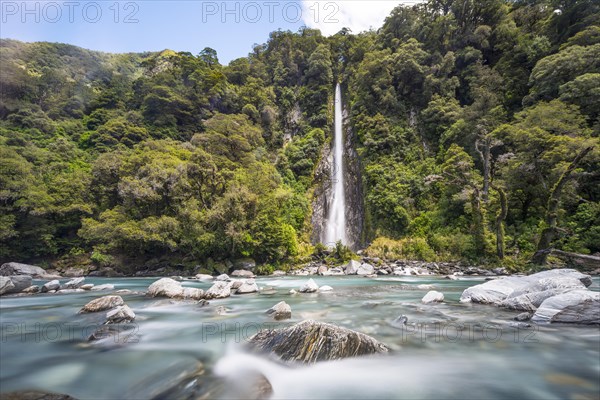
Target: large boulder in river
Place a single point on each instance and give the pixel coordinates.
(75, 283)
(281, 310)
(219, 290)
(6, 285)
(52, 285)
(120, 314)
(17, 284)
(529, 297)
(102, 304)
(13, 268)
(577, 306)
(432, 297)
(165, 287)
(309, 287)
(248, 286)
(310, 341)
(498, 290)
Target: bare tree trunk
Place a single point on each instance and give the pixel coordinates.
(478, 223)
(549, 232)
(500, 217)
(485, 155)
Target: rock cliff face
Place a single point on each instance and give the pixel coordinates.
(353, 189)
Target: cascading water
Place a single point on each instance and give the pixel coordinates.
(335, 228)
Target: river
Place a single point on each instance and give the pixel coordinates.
(184, 350)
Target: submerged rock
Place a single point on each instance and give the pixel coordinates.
(102, 304)
(524, 316)
(106, 286)
(87, 286)
(325, 288)
(218, 290)
(120, 314)
(310, 341)
(67, 291)
(309, 287)
(32, 289)
(577, 306)
(432, 297)
(35, 395)
(281, 310)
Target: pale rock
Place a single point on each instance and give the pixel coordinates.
(69, 291)
(20, 282)
(218, 290)
(280, 311)
(120, 314)
(6, 285)
(13, 268)
(425, 287)
(242, 273)
(105, 286)
(432, 297)
(576, 307)
(102, 304)
(352, 267)
(165, 287)
(325, 288)
(309, 287)
(52, 285)
(236, 284)
(191, 293)
(248, 286)
(74, 283)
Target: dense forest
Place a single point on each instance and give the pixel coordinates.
(476, 122)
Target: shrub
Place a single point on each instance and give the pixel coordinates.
(406, 248)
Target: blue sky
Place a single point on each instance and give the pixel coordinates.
(230, 27)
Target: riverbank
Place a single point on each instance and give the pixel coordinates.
(189, 349)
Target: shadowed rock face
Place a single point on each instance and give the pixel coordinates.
(310, 341)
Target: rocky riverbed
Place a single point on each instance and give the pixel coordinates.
(176, 334)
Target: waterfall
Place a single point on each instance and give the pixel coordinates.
(335, 228)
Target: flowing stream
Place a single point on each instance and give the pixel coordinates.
(336, 219)
(186, 351)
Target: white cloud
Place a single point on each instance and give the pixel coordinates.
(358, 15)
